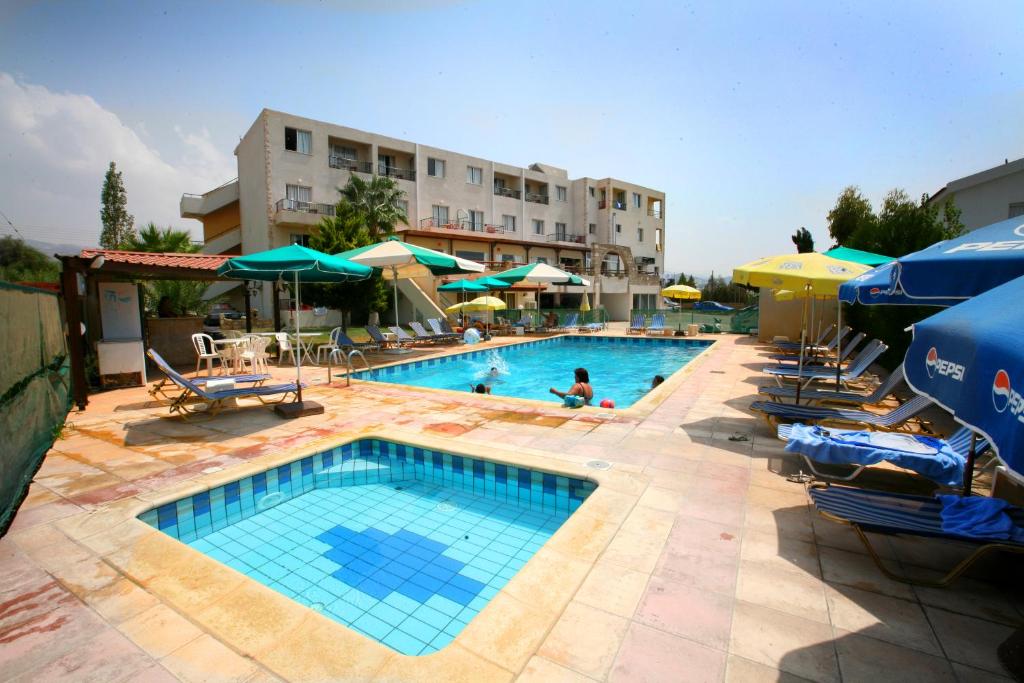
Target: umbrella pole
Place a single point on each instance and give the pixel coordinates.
(839, 340)
(394, 277)
(969, 466)
(298, 344)
(803, 346)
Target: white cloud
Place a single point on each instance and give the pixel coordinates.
(56, 148)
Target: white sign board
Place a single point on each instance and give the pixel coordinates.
(119, 311)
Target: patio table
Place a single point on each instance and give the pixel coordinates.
(305, 349)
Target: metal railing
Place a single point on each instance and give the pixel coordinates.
(396, 172)
(506, 192)
(348, 164)
(465, 225)
(654, 212)
(568, 237)
(619, 205)
(536, 197)
(304, 207)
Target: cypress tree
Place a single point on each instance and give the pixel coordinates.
(117, 222)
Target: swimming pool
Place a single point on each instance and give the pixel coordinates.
(621, 368)
(403, 544)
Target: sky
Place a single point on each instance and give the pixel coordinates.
(751, 116)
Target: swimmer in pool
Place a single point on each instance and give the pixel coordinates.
(581, 388)
(656, 382)
(480, 388)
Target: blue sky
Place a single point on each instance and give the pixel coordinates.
(751, 116)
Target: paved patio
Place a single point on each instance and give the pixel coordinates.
(712, 568)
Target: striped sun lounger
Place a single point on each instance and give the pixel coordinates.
(900, 514)
(857, 367)
(815, 396)
(894, 420)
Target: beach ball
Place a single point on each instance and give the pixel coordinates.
(471, 336)
(607, 403)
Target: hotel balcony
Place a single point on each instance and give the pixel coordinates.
(464, 226)
(572, 238)
(295, 212)
(348, 164)
(537, 198)
(396, 172)
(507, 192)
(654, 212)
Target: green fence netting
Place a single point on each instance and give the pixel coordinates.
(35, 389)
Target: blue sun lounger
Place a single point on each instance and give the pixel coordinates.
(195, 395)
(941, 460)
(819, 343)
(894, 420)
(435, 325)
(657, 324)
(900, 514)
(857, 367)
(790, 360)
(817, 396)
(638, 324)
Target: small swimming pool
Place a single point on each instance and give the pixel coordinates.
(403, 544)
(621, 368)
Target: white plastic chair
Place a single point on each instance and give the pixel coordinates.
(284, 345)
(205, 350)
(330, 347)
(253, 352)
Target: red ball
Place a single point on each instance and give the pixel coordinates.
(607, 403)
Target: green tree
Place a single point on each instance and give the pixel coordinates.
(20, 262)
(803, 241)
(117, 222)
(851, 213)
(347, 229)
(161, 240)
(186, 296)
(681, 280)
(378, 202)
(692, 282)
(904, 226)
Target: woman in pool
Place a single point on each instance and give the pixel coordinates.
(581, 388)
(480, 388)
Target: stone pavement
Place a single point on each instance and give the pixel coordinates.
(718, 571)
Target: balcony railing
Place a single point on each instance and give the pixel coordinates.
(464, 225)
(536, 197)
(654, 212)
(568, 237)
(347, 164)
(304, 207)
(396, 172)
(619, 205)
(506, 192)
(602, 204)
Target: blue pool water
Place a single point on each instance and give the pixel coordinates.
(403, 544)
(621, 368)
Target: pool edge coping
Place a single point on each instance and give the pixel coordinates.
(171, 571)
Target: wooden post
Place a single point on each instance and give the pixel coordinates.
(76, 348)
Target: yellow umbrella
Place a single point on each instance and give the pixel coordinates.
(585, 303)
(681, 292)
(821, 274)
(455, 308)
(485, 303)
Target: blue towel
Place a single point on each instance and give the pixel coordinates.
(930, 457)
(979, 517)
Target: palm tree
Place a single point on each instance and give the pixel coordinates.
(161, 240)
(378, 201)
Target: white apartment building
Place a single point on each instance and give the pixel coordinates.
(290, 169)
(988, 196)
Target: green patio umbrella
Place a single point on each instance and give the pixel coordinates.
(398, 259)
(300, 265)
(865, 258)
(492, 282)
(540, 274)
(464, 285)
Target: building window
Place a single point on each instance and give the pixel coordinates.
(639, 234)
(591, 191)
(476, 220)
(300, 141)
(440, 215)
(403, 205)
(474, 175)
(561, 194)
(538, 227)
(592, 228)
(540, 259)
(435, 167)
(298, 196)
(509, 222)
(508, 258)
(560, 231)
(301, 240)
(636, 200)
(1016, 209)
(471, 255)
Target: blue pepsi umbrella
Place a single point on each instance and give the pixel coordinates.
(876, 287)
(963, 267)
(970, 360)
